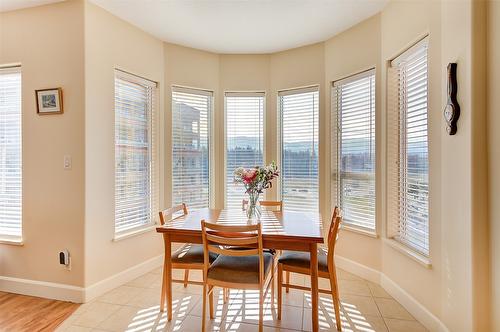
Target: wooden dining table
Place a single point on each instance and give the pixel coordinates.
(286, 230)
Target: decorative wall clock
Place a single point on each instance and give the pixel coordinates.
(452, 108)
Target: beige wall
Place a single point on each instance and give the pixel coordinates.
(493, 119)
(112, 43)
(420, 18)
(345, 56)
(48, 42)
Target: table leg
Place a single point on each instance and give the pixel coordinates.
(167, 278)
(314, 287)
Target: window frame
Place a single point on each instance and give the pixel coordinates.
(210, 137)
(286, 92)
(243, 94)
(5, 238)
(152, 155)
(394, 149)
(335, 152)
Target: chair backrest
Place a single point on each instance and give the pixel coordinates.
(222, 240)
(333, 233)
(273, 204)
(166, 215)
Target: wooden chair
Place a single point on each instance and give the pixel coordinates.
(278, 205)
(189, 256)
(299, 262)
(248, 267)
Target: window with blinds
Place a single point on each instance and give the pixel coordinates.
(10, 154)
(135, 200)
(244, 139)
(353, 149)
(298, 118)
(191, 114)
(408, 148)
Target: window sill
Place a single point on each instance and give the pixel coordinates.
(361, 231)
(138, 231)
(12, 241)
(421, 259)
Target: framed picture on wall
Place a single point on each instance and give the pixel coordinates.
(49, 101)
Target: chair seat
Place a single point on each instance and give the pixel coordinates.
(302, 259)
(191, 254)
(241, 270)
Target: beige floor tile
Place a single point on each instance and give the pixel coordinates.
(95, 314)
(398, 325)
(130, 318)
(193, 324)
(358, 305)
(220, 308)
(121, 295)
(294, 298)
(390, 308)
(378, 291)
(76, 328)
(362, 323)
(355, 287)
(144, 281)
(246, 310)
(344, 275)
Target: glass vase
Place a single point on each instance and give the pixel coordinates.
(253, 207)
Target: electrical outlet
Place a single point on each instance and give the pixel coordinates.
(67, 162)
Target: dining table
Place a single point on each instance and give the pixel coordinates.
(281, 230)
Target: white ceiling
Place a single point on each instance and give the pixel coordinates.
(6, 5)
(243, 26)
(235, 26)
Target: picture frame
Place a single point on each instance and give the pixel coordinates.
(49, 101)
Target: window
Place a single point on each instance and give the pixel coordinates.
(191, 113)
(353, 149)
(298, 118)
(10, 154)
(244, 139)
(408, 148)
(135, 199)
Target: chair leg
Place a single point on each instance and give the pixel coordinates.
(287, 281)
(272, 290)
(335, 297)
(280, 288)
(261, 309)
(204, 308)
(211, 301)
(228, 294)
(186, 277)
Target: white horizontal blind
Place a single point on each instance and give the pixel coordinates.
(10, 154)
(353, 124)
(135, 201)
(191, 113)
(298, 117)
(409, 80)
(244, 139)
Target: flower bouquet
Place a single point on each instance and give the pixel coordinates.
(255, 181)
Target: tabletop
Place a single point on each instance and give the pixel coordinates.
(295, 226)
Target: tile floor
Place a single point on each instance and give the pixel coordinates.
(134, 307)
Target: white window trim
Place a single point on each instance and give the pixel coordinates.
(334, 156)
(211, 126)
(279, 150)
(154, 126)
(243, 94)
(4, 238)
(424, 260)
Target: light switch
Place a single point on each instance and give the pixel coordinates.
(67, 162)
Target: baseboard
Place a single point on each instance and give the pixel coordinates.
(49, 290)
(105, 285)
(424, 316)
(64, 292)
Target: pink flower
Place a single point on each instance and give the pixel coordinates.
(249, 175)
